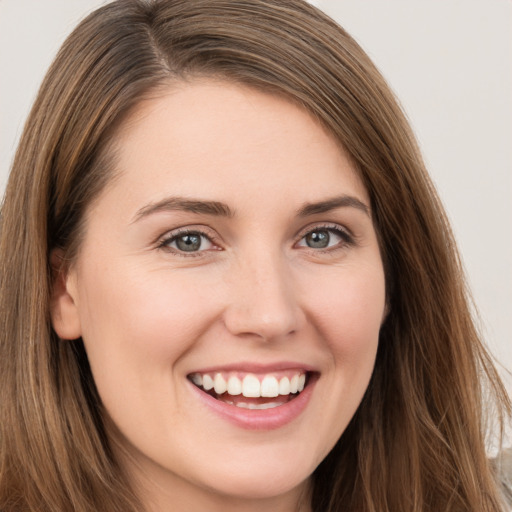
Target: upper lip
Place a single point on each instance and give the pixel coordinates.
(257, 368)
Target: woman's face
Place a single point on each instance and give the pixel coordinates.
(234, 249)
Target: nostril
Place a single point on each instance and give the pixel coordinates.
(261, 301)
(262, 325)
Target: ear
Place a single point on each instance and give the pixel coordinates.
(63, 306)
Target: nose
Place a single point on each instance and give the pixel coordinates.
(262, 302)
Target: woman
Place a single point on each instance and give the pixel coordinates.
(233, 286)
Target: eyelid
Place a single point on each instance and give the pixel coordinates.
(347, 236)
(324, 225)
(204, 231)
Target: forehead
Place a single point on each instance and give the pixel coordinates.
(223, 139)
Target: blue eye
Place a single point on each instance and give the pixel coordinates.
(189, 241)
(324, 238)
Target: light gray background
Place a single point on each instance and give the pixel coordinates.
(449, 62)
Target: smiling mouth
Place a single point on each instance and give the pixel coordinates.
(250, 390)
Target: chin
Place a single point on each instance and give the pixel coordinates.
(259, 483)
(271, 474)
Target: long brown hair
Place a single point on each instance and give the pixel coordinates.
(417, 441)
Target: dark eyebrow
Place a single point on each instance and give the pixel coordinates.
(190, 205)
(332, 204)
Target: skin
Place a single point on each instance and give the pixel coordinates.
(149, 314)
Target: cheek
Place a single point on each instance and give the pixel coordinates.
(347, 309)
(349, 312)
(130, 318)
(137, 327)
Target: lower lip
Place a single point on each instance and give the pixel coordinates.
(259, 419)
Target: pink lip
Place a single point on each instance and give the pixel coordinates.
(256, 368)
(258, 419)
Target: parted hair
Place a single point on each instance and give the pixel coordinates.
(417, 442)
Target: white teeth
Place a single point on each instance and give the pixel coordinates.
(251, 386)
(302, 382)
(294, 384)
(219, 384)
(197, 379)
(284, 386)
(269, 387)
(207, 382)
(268, 405)
(234, 386)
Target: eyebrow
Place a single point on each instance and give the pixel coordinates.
(219, 209)
(332, 204)
(170, 204)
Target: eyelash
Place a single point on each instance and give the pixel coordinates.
(347, 238)
(175, 235)
(164, 244)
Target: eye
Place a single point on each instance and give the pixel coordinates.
(187, 242)
(325, 238)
